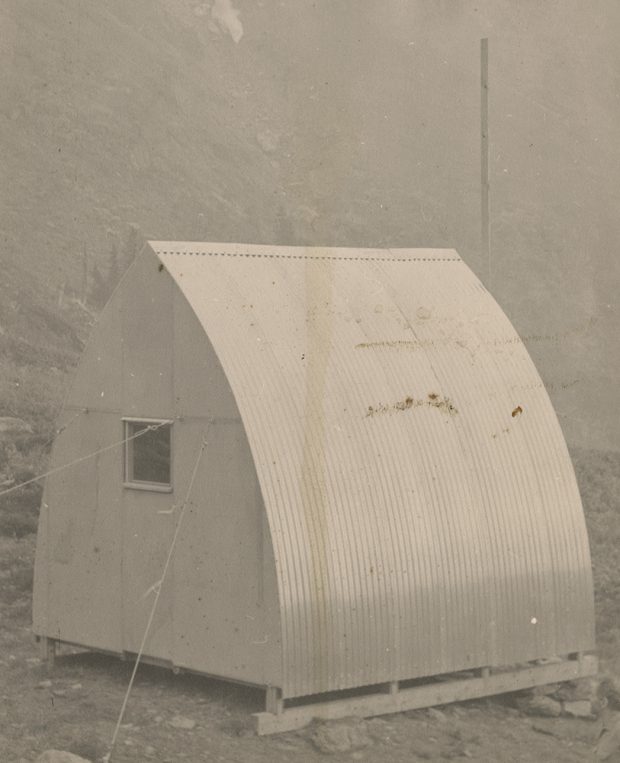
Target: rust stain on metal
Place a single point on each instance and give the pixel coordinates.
(495, 435)
(395, 344)
(433, 400)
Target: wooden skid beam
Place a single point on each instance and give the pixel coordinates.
(427, 695)
(273, 701)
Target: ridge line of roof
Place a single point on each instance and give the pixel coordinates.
(309, 256)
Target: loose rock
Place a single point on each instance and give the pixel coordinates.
(227, 17)
(575, 730)
(547, 726)
(425, 750)
(609, 689)
(179, 722)
(582, 689)
(60, 756)
(547, 689)
(581, 708)
(341, 736)
(437, 715)
(268, 141)
(609, 742)
(540, 705)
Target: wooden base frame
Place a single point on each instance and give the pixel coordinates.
(391, 697)
(396, 696)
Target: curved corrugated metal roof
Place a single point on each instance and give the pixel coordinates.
(423, 508)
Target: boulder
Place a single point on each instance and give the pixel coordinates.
(341, 736)
(227, 17)
(574, 691)
(580, 708)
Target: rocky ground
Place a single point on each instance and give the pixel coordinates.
(171, 718)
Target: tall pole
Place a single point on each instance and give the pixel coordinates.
(484, 156)
(84, 289)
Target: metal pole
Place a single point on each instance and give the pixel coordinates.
(84, 294)
(484, 156)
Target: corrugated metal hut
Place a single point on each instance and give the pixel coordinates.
(384, 492)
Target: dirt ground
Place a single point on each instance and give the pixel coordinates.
(75, 706)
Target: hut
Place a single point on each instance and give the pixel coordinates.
(379, 502)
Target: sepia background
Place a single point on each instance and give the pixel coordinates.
(319, 122)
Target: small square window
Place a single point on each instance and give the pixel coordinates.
(148, 454)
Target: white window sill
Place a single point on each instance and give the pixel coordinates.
(153, 487)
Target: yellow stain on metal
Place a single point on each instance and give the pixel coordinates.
(314, 498)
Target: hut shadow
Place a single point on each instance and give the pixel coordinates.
(235, 698)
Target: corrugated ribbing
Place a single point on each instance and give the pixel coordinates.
(422, 505)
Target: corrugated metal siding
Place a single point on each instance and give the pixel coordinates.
(418, 526)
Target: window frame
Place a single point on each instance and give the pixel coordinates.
(154, 487)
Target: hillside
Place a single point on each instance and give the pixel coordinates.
(326, 123)
(115, 113)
